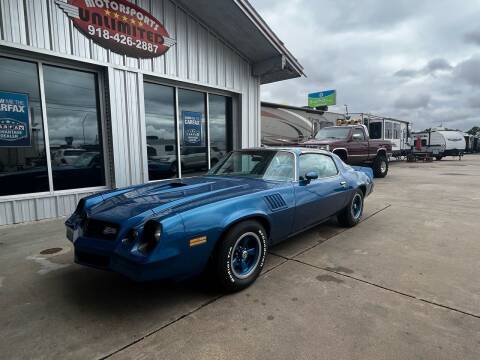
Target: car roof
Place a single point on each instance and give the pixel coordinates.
(294, 149)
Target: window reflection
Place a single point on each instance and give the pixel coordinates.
(73, 128)
(193, 135)
(220, 126)
(160, 128)
(23, 169)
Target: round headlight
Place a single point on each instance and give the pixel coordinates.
(152, 232)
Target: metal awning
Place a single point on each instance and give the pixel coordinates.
(237, 22)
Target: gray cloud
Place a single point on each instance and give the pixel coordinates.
(473, 37)
(412, 101)
(469, 71)
(374, 52)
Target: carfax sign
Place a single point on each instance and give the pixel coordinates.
(192, 128)
(120, 26)
(323, 98)
(14, 120)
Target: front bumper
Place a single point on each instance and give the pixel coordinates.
(113, 256)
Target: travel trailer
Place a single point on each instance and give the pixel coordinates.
(394, 130)
(290, 125)
(442, 142)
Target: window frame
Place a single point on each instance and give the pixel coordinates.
(102, 113)
(206, 91)
(321, 154)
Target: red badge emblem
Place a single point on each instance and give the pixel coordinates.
(120, 26)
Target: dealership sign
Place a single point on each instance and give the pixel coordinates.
(192, 128)
(14, 120)
(120, 26)
(323, 98)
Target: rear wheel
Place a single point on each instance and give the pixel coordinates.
(380, 166)
(352, 214)
(241, 256)
(438, 158)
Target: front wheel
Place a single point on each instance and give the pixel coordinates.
(380, 166)
(241, 256)
(438, 157)
(352, 214)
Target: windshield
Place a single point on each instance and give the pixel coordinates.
(261, 164)
(332, 133)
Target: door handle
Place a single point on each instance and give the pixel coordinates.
(343, 183)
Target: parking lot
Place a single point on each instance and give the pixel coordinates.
(403, 284)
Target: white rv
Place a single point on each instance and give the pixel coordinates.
(442, 142)
(397, 131)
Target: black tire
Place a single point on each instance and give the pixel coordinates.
(351, 216)
(380, 166)
(438, 158)
(228, 277)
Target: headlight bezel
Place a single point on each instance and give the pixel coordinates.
(151, 236)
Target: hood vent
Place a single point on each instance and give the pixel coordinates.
(275, 201)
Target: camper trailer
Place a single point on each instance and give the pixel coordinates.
(290, 125)
(469, 143)
(442, 142)
(394, 130)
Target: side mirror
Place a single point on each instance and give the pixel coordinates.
(311, 175)
(357, 137)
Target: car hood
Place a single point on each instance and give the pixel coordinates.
(169, 197)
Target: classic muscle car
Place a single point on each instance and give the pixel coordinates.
(227, 219)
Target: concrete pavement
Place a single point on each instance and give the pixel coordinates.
(402, 284)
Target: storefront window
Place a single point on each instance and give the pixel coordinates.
(220, 123)
(23, 163)
(161, 130)
(193, 134)
(74, 128)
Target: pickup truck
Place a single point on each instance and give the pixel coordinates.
(353, 145)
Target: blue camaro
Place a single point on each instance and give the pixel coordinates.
(250, 200)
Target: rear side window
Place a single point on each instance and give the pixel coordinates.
(323, 165)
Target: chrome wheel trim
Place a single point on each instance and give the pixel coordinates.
(357, 207)
(254, 265)
(383, 166)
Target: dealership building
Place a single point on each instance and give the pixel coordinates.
(99, 94)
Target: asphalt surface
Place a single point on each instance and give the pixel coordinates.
(403, 284)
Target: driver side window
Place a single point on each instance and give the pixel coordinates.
(323, 165)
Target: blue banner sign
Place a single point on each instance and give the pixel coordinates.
(14, 120)
(192, 128)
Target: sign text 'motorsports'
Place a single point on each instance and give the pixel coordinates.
(120, 26)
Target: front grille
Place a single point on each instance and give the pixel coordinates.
(311, 146)
(92, 259)
(101, 229)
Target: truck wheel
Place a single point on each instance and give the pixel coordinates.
(352, 214)
(380, 166)
(241, 256)
(438, 157)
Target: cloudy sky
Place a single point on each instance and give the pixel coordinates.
(417, 60)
